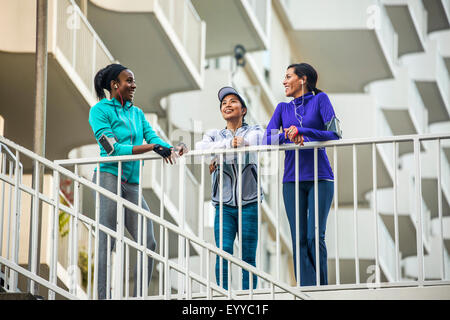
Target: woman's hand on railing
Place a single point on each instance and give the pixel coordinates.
(298, 140)
(291, 133)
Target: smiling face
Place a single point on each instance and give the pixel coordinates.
(293, 85)
(231, 108)
(126, 85)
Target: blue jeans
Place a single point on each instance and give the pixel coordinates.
(108, 216)
(307, 242)
(249, 239)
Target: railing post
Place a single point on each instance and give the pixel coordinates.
(182, 216)
(54, 234)
(355, 212)
(161, 214)
(418, 198)
(336, 228)
(375, 213)
(118, 267)
(140, 235)
(258, 188)
(16, 223)
(201, 205)
(97, 233)
(240, 273)
(221, 218)
(439, 188)
(277, 214)
(316, 216)
(397, 243)
(297, 216)
(34, 232)
(76, 207)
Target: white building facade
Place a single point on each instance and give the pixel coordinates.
(385, 65)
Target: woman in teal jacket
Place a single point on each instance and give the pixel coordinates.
(120, 128)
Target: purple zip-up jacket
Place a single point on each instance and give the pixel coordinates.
(312, 115)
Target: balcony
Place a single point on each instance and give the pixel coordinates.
(325, 34)
(75, 52)
(409, 19)
(429, 72)
(162, 42)
(232, 22)
(438, 14)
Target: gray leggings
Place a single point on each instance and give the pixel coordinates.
(108, 214)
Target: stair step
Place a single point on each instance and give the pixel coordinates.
(17, 296)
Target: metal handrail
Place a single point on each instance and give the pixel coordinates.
(58, 169)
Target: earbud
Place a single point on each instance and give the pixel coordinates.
(116, 86)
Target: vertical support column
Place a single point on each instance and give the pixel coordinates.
(40, 112)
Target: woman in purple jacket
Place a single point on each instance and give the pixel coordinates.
(308, 117)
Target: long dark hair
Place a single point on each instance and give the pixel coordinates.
(304, 69)
(102, 79)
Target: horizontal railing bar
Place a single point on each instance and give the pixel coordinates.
(290, 146)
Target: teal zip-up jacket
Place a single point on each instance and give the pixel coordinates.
(128, 126)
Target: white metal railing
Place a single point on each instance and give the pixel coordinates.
(78, 43)
(124, 244)
(188, 27)
(191, 243)
(385, 253)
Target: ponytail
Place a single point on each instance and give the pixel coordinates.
(98, 80)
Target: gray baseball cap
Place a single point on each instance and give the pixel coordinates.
(225, 91)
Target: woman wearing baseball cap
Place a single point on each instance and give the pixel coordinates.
(308, 117)
(236, 134)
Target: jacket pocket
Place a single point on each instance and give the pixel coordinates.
(249, 183)
(227, 187)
